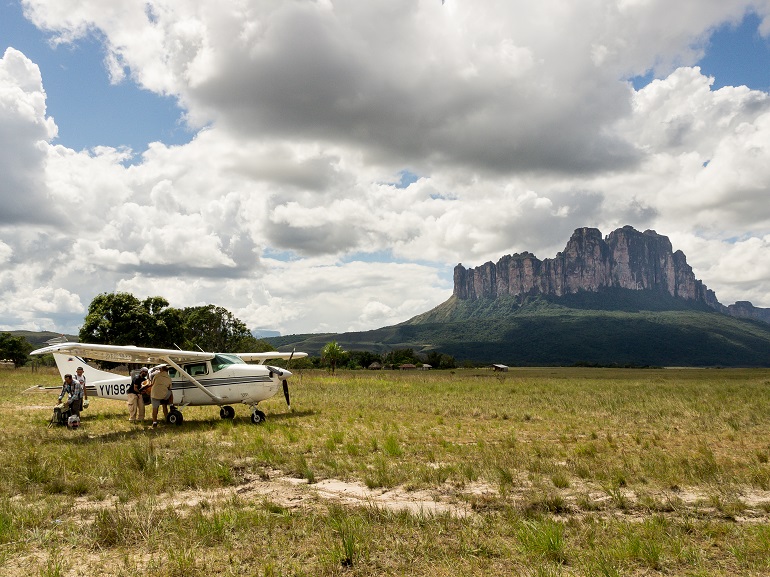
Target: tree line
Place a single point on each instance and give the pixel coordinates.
(120, 318)
(334, 357)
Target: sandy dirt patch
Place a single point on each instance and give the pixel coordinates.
(294, 493)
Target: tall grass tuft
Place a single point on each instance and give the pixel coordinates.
(8, 527)
(52, 568)
(304, 470)
(349, 536)
(127, 525)
(182, 562)
(753, 551)
(391, 446)
(504, 478)
(144, 458)
(215, 527)
(543, 539)
(380, 474)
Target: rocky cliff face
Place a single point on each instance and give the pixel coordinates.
(626, 258)
(746, 310)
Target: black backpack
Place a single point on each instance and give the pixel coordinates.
(60, 416)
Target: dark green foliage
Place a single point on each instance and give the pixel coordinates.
(122, 319)
(15, 349)
(362, 359)
(333, 355)
(401, 356)
(439, 360)
(214, 328)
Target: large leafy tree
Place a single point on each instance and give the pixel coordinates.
(166, 330)
(114, 319)
(122, 319)
(214, 328)
(15, 349)
(332, 354)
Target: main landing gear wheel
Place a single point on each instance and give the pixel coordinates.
(175, 417)
(257, 417)
(227, 412)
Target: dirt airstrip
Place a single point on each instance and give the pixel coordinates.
(291, 493)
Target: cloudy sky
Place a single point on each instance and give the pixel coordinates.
(322, 165)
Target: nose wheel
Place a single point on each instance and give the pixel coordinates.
(175, 417)
(257, 417)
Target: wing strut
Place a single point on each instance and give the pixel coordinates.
(190, 378)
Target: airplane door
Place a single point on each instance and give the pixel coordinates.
(188, 393)
(178, 386)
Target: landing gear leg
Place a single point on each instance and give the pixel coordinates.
(257, 417)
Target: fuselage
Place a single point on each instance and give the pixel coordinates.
(226, 377)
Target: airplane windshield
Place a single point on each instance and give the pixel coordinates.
(221, 360)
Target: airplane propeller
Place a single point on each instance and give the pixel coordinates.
(285, 382)
(286, 393)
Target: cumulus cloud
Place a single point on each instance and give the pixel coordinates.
(516, 120)
(24, 132)
(5, 253)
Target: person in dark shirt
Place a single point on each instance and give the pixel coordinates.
(74, 391)
(135, 398)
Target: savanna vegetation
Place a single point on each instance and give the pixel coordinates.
(556, 471)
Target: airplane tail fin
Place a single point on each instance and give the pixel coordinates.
(68, 364)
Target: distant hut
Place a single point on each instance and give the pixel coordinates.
(375, 366)
(407, 367)
(425, 367)
(500, 368)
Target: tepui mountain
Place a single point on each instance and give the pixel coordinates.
(625, 259)
(624, 299)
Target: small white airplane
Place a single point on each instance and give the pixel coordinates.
(199, 378)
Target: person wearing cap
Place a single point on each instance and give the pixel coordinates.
(74, 391)
(135, 399)
(161, 393)
(80, 376)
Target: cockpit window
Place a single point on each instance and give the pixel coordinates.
(221, 360)
(196, 370)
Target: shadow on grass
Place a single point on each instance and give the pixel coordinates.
(79, 438)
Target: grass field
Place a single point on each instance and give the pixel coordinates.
(537, 472)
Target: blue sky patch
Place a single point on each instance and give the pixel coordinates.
(88, 110)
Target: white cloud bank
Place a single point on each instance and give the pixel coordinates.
(516, 116)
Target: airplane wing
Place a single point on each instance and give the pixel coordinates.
(262, 357)
(125, 354)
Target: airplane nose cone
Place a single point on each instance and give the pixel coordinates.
(280, 373)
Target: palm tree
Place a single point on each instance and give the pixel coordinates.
(332, 353)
